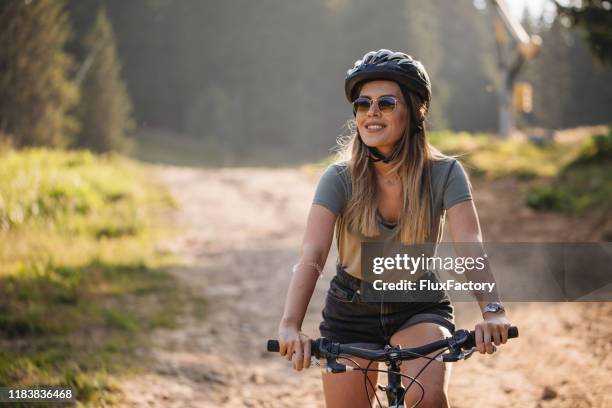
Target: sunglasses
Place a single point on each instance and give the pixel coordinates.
(386, 104)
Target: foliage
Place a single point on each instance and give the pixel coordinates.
(72, 191)
(597, 149)
(36, 93)
(81, 282)
(491, 157)
(595, 18)
(581, 185)
(105, 109)
(252, 96)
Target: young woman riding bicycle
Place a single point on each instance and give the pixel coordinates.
(391, 185)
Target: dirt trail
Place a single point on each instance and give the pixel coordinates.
(242, 234)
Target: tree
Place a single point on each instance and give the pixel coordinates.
(467, 68)
(105, 109)
(552, 77)
(36, 94)
(595, 18)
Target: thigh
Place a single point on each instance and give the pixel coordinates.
(348, 389)
(436, 376)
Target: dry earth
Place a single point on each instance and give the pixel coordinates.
(242, 231)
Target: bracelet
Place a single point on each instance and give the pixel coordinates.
(312, 264)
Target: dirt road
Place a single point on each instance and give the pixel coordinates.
(242, 231)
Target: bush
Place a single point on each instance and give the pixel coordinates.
(81, 283)
(596, 149)
(546, 198)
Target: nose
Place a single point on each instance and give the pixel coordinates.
(374, 111)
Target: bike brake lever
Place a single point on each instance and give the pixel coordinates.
(335, 368)
(468, 353)
(455, 356)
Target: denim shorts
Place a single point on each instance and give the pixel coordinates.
(349, 319)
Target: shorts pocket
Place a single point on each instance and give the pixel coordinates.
(342, 293)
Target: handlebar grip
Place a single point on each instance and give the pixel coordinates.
(273, 346)
(471, 342)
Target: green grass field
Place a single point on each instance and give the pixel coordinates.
(81, 281)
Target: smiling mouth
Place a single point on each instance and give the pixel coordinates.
(374, 128)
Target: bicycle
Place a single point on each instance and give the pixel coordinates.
(460, 347)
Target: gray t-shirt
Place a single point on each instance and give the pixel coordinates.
(449, 186)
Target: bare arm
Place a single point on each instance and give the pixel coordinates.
(315, 248)
(465, 228)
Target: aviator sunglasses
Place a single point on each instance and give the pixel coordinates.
(386, 104)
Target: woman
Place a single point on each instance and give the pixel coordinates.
(392, 186)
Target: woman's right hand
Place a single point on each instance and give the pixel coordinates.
(292, 340)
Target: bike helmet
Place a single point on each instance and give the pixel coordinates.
(389, 65)
(393, 66)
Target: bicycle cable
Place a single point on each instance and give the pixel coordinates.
(366, 381)
(366, 378)
(417, 376)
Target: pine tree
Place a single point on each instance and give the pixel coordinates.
(36, 94)
(595, 18)
(468, 66)
(552, 77)
(424, 33)
(105, 109)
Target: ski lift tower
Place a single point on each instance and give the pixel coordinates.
(514, 47)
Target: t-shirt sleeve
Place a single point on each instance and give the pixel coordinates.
(331, 191)
(458, 187)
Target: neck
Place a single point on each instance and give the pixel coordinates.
(382, 169)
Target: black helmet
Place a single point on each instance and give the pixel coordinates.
(389, 65)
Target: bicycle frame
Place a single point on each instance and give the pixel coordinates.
(395, 390)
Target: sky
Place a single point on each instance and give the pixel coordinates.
(536, 7)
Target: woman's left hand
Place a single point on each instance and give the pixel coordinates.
(494, 326)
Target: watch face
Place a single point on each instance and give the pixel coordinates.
(493, 307)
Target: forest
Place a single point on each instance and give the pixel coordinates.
(264, 79)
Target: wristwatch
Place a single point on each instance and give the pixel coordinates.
(493, 307)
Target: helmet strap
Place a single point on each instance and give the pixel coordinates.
(375, 155)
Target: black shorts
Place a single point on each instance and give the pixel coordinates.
(348, 319)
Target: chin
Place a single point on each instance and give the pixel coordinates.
(375, 140)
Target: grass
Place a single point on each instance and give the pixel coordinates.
(494, 158)
(573, 178)
(583, 184)
(81, 281)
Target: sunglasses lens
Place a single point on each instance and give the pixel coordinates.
(361, 105)
(386, 104)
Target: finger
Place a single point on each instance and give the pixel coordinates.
(504, 333)
(478, 337)
(487, 340)
(299, 357)
(307, 353)
(282, 349)
(289, 354)
(497, 336)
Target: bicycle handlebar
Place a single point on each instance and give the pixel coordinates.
(322, 347)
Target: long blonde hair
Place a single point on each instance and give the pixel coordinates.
(413, 165)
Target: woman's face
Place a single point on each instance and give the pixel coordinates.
(377, 129)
